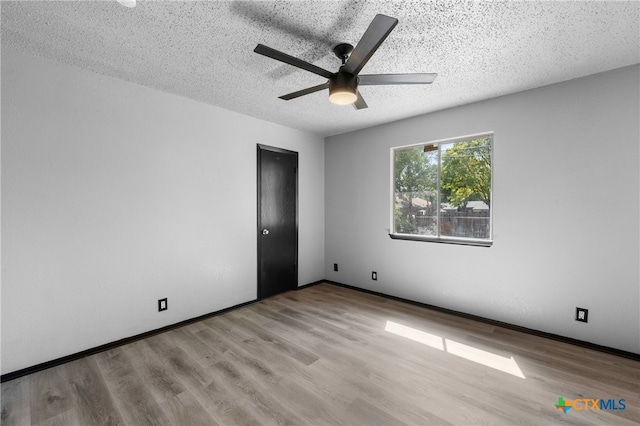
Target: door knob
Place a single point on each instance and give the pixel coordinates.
(265, 231)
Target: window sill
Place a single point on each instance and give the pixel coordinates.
(445, 240)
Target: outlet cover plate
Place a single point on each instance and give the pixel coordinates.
(162, 304)
(582, 314)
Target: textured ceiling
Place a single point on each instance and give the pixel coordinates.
(204, 50)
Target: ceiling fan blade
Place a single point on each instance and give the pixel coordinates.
(288, 59)
(377, 32)
(379, 79)
(360, 103)
(306, 91)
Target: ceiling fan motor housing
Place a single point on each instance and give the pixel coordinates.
(343, 79)
(342, 88)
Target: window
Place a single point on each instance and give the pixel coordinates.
(442, 191)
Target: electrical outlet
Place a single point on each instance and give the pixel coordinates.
(335, 267)
(162, 304)
(582, 314)
(374, 276)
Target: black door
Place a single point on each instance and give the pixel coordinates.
(277, 221)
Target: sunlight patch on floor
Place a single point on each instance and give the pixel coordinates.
(497, 362)
(415, 335)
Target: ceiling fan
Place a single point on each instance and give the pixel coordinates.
(343, 85)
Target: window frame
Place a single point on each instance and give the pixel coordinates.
(439, 238)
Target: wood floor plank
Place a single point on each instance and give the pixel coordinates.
(197, 349)
(204, 383)
(362, 412)
(182, 365)
(184, 409)
(322, 356)
(223, 404)
(158, 378)
(212, 340)
(15, 400)
(263, 404)
(50, 395)
(286, 346)
(311, 403)
(91, 398)
(132, 396)
(255, 348)
(65, 418)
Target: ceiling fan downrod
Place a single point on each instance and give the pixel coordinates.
(342, 51)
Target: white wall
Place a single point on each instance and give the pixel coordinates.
(566, 212)
(115, 195)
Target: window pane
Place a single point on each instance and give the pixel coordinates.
(415, 194)
(465, 189)
(442, 191)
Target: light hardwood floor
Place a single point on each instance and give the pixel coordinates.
(321, 356)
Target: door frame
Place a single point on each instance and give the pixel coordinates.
(259, 149)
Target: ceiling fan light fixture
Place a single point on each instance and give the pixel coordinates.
(343, 96)
(342, 88)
